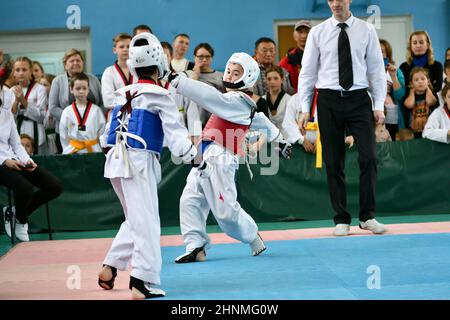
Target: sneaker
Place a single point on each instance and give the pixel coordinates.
(22, 231)
(143, 290)
(341, 230)
(257, 245)
(373, 225)
(196, 255)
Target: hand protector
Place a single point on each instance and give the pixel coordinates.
(189, 155)
(284, 148)
(173, 79)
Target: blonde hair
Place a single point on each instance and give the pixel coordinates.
(429, 53)
(70, 53)
(119, 37)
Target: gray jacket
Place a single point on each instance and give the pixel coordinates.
(60, 96)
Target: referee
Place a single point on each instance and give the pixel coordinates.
(343, 60)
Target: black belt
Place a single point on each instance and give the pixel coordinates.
(343, 93)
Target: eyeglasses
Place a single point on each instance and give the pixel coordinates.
(203, 57)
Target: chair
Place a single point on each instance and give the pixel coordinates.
(10, 215)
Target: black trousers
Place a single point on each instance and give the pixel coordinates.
(26, 200)
(335, 113)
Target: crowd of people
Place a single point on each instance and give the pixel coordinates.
(414, 91)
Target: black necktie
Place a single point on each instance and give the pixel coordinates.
(345, 59)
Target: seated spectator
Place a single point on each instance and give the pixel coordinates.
(21, 174)
(404, 135)
(38, 71)
(420, 100)
(438, 124)
(141, 28)
(276, 97)
(265, 56)
(117, 76)
(420, 54)
(82, 123)
(60, 95)
(180, 48)
(395, 91)
(293, 61)
(30, 104)
(27, 142)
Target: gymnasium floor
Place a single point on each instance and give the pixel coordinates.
(303, 261)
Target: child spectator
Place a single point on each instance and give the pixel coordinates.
(276, 97)
(141, 28)
(30, 105)
(117, 76)
(83, 122)
(49, 121)
(404, 135)
(28, 143)
(419, 100)
(438, 124)
(38, 71)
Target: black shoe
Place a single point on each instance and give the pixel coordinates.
(142, 290)
(198, 254)
(109, 284)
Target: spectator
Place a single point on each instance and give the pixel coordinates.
(83, 122)
(447, 54)
(117, 76)
(38, 71)
(293, 61)
(49, 121)
(31, 103)
(307, 139)
(419, 100)
(8, 75)
(265, 56)
(27, 142)
(168, 51)
(60, 95)
(404, 135)
(141, 28)
(203, 72)
(180, 48)
(438, 124)
(395, 91)
(420, 54)
(445, 82)
(276, 97)
(189, 111)
(19, 173)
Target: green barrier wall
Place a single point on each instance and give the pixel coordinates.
(413, 179)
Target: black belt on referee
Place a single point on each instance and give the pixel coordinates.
(343, 93)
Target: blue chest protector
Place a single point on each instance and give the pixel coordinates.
(142, 123)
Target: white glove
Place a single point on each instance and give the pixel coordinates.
(189, 155)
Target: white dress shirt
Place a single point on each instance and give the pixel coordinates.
(320, 64)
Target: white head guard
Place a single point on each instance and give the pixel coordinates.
(151, 54)
(251, 71)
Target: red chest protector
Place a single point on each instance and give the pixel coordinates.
(228, 134)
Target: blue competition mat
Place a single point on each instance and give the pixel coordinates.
(374, 267)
